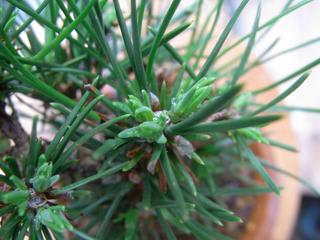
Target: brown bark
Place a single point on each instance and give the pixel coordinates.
(11, 128)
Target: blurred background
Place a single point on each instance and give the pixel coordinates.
(294, 29)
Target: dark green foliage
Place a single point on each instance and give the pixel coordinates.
(147, 158)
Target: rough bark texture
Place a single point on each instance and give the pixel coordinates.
(12, 129)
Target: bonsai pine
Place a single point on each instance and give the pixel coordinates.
(134, 155)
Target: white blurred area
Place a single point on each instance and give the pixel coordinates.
(296, 28)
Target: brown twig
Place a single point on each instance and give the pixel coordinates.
(11, 128)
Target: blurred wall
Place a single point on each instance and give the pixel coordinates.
(294, 29)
